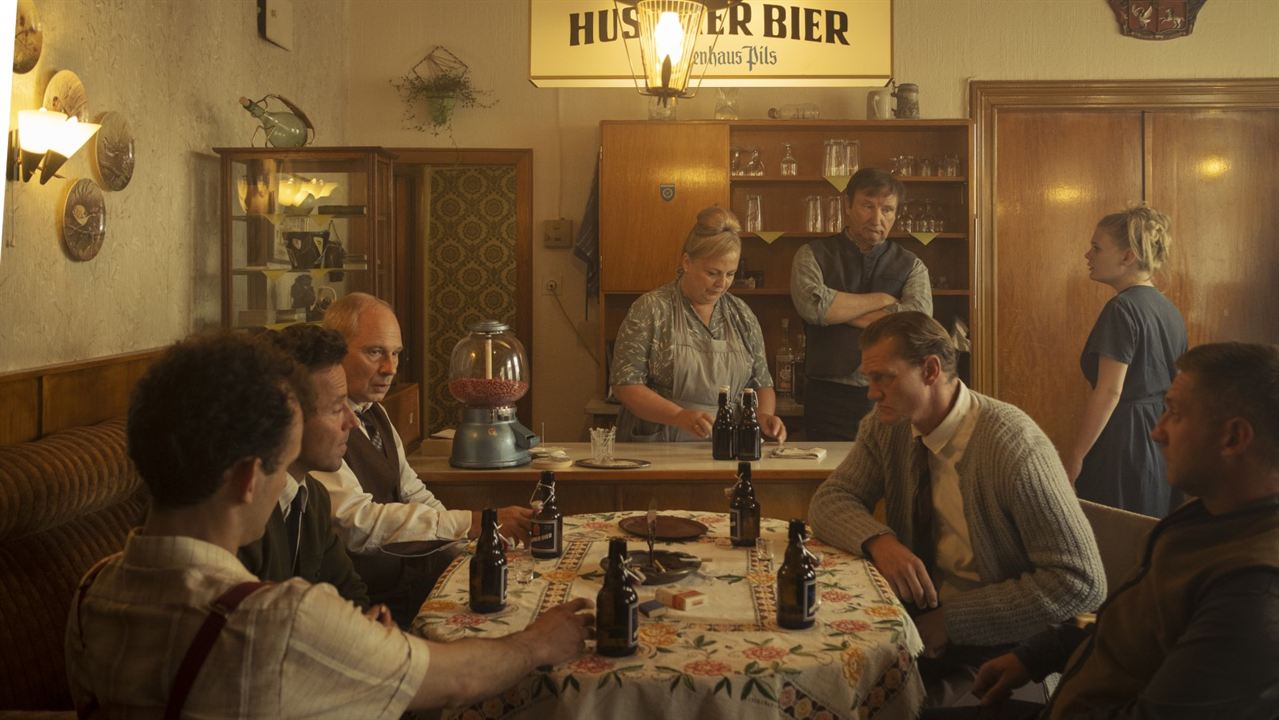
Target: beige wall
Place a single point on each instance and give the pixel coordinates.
(174, 68)
(939, 44)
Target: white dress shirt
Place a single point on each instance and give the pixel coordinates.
(946, 445)
(366, 525)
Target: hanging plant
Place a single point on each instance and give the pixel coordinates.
(437, 85)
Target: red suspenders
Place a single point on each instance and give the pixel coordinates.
(197, 652)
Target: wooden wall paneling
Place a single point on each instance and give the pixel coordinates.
(641, 234)
(1215, 173)
(403, 406)
(88, 395)
(1056, 174)
(20, 400)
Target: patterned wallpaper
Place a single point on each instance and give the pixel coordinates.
(470, 269)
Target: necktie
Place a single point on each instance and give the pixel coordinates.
(922, 516)
(370, 427)
(293, 525)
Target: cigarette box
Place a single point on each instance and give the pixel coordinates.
(652, 609)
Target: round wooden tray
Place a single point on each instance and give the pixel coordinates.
(669, 527)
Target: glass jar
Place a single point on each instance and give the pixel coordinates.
(488, 367)
(755, 166)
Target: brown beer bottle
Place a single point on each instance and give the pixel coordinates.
(748, 438)
(797, 583)
(616, 607)
(743, 509)
(488, 567)
(548, 522)
(724, 431)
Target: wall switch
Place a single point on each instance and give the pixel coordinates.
(557, 233)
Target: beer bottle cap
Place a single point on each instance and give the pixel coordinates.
(548, 476)
(797, 529)
(723, 388)
(743, 469)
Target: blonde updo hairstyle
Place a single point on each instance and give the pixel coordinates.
(714, 235)
(1145, 231)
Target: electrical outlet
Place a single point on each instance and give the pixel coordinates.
(551, 287)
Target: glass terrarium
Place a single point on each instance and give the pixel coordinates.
(488, 367)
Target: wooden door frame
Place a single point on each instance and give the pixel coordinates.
(522, 160)
(987, 98)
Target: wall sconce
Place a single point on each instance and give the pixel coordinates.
(44, 141)
(668, 31)
(296, 192)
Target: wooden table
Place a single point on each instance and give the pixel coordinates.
(681, 475)
(726, 660)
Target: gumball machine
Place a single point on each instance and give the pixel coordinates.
(488, 373)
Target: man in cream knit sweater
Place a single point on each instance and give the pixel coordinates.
(984, 536)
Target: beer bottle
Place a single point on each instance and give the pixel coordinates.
(748, 439)
(743, 510)
(488, 567)
(548, 522)
(785, 376)
(797, 583)
(616, 607)
(724, 432)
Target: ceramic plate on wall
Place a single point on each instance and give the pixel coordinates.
(28, 39)
(66, 94)
(84, 220)
(113, 152)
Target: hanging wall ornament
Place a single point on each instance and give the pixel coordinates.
(84, 220)
(113, 152)
(28, 38)
(1156, 19)
(66, 94)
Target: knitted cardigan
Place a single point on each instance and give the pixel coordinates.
(1032, 546)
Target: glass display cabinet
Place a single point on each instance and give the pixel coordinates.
(302, 227)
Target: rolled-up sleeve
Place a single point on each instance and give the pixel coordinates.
(808, 290)
(634, 343)
(917, 293)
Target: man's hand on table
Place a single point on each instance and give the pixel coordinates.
(998, 677)
(560, 633)
(514, 522)
(903, 570)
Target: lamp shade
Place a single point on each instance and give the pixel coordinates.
(37, 129)
(667, 35)
(70, 136)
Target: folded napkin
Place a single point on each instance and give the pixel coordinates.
(798, 453)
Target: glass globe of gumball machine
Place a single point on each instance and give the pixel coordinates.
(488, 373)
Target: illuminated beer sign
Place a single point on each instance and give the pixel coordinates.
(593, 43)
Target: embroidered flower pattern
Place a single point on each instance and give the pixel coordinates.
(467, 620)
(707, 668)
(765, 653)
(850, 626)
(591, 665)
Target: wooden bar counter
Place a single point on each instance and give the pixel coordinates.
(682, 476)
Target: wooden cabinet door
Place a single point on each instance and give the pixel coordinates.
(641, 233)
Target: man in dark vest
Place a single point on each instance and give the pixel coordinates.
(377, 497)
(841, 284)
(1194, 632)
(300, 540)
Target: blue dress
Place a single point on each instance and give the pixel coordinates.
(1125, 468)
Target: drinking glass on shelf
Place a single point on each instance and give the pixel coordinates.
(951, 166)
(813, 214)
(894, 165)
(906, 165)
(905, 218)
(925, 166)
(735, 161)
(754, 214)
(755, 166)
(834, 213)
(928, 220)
(790, 167)
(853, 157)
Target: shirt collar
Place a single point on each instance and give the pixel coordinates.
(160, 552)
(358, 408)
(291, 488)
(940, 437)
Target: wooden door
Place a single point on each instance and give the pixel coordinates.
(641, 233)
(1056, 173)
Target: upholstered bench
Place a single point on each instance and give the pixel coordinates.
(66, 500)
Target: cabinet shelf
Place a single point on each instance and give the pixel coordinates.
(939, 292)
(251, 269)
(811, 179)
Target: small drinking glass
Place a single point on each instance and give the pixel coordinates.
(925, 166)
(834, 213)
(520, 561)
(906, 218)
(764, 549)
(754, 214)
(853, 161)
(755, 166)
(602, 444)
(906, 165)
(813, 214)
(735, 161)
(951, 166)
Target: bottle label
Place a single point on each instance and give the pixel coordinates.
(734, 523)
(785, 379)
(545, 540)
(501, 585)
(632, 624)
(810, 599)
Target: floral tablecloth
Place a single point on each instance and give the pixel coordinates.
(728, 659)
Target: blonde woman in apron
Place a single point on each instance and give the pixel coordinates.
(681, 342)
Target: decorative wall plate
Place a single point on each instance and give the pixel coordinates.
(113, 152)
(84, 220)
(66, 94)
(28, 38)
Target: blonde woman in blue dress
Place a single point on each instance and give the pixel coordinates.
(681, 342)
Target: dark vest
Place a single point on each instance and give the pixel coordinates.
(379, 474)
(1146, 616)
(832, 349)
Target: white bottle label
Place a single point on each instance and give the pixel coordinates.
(810, 599)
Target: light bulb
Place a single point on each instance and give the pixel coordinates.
(668, 38)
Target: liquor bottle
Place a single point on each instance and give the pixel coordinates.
(724, 432)
(797, 583)
(748, 439)
(789, 166)
(743, 509)
(800, 374)
(548, 522)
(616, 607)
(488, 567)
(785, 380)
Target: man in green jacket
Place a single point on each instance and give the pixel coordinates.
(1194, 632)
(300, 540)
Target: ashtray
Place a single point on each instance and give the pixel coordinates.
(673, 565)
(669, 527)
